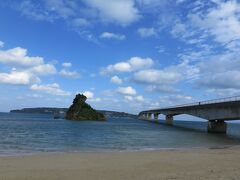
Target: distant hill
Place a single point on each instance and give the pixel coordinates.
(54, 111)
(115, 114)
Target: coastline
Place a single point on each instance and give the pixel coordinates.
(215, 163)
(37, 153)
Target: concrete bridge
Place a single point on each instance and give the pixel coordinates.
(215, 111)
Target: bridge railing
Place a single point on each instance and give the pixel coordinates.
(213, 101)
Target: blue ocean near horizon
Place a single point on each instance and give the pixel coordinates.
(35, 133)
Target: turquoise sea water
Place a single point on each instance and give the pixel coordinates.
(30, 134)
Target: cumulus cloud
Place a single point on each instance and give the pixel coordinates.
(43, 69)
(65, 72)
(138, 99)
(69, 74)
(53, 89)
(88, 94)
(67, 65)
(17, 78)
(147, 32)
(127, 90)
(112, 11)
(27, 69)
(154, 76)
(116, 80)
(165, 80)
(18, 56)
(133, 64)
(109, 35)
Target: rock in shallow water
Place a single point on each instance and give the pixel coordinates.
(81, 111)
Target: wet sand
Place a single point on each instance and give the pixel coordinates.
(198, 164)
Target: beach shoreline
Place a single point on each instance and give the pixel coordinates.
(212, 163)
(118, 151)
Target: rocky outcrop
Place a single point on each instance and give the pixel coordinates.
(81, 111)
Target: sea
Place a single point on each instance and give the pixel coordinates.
(26, 134)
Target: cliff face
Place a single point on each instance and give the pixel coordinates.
(80, 110)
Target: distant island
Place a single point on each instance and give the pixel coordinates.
(61, 112)
(80, 110)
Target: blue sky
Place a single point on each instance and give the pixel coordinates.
(125, 55)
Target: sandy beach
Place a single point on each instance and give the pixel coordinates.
(176, 164)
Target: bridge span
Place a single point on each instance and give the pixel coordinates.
(215, 111)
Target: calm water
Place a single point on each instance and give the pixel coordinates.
(27, 134)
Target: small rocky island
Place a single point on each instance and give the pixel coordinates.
(80, 110)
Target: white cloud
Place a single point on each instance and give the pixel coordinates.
(88, 94)
(140, 63)
(162, 88)
(167, 76)
(127, 90)
(220, 74)
(147, 32)
(17, 78)
(175, 100)
(25, 69)
(53, 89)
(128, 98)
(1, 44)
(116, 80)
(66, 64)
(18, 56)
(133, 64)
(119, 67)
(65, 72)
(221, 21)
(109, 35)
(223, 80)
(112, 11)
(140, 99)
(154, 76)
(216, 22)
(69, 74)
(43, 69)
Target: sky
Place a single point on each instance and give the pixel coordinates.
(124, 55)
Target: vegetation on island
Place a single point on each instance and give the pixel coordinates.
(40, 110)
(80, 110)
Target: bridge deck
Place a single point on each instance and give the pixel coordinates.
(215, 102)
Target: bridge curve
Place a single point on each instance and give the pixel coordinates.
(216, 111)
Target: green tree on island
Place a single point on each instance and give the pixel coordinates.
(81, 111)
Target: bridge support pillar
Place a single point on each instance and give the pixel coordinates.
(217, 126)
(155, 117)
(169, 120)
(149, 116)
